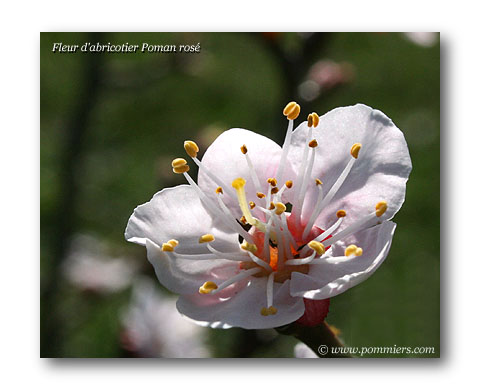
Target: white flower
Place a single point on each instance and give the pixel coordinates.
(424, 38)
(88, 266)
(344, 175)
(154, 328)
(301, 350)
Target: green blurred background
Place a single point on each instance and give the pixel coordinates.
(112, 122)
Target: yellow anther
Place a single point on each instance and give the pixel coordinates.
(181, 169)
(289, 107)
(310, 120)
(178, 162)
(313, 120)
(274, 190)
(272, 206)
(173, 242)
(260, 195)
(318, 182)
(318, 247)
(272, 310)
(264, 311)
(380, 208)
(191, 148)
(289, 184)
(353, 250)
(272, 181)
(243, 220)
(280, 208)
(206, 238)
(291, 110)
(358, 251)
(341, 213)
(167, 247)
(219, 190)
(249, 247)
(313, 144)
(208, 287)
(252, 204)
(244, 149)
(239, 183)
(355, 150)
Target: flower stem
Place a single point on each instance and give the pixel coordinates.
(320, 339)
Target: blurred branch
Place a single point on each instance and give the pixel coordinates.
(71, 162)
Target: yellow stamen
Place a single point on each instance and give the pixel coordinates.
(219, 190)
(291, 110)
(173, 242)
(380, 208)
(264, 311)
(341, 213)
(272, 206)
(310, 120)
(249, 247)
(243, 220)
(239, 185)
(272, 181)
(260, 195)
(272, 310)
(178, 162)
(167, 247)
(208, 287)
(313, 144)
(191, 148)
(318, 182)
(181, 170)
(206, 238)
(244, 149)
(313, 120)
(355, 150)
(289, 184)
(252, 204)
(318, 247)
(280, 208)
(274, 190)
(353, 250)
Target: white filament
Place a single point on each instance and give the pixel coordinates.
(259, 262)
(253, 173)
(331, 193)
(362, 223)
(237, 277)
(301, 174)
(232, 222)
(215, 179)
(285, 148)
(270, 289)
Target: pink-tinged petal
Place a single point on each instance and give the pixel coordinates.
(186, 276)
(242, 308)
(380, 172)
(177, 213)
(225, 159)
(328, 280)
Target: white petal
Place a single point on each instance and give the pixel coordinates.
(186, 276)
(177, 213)
(328, 280)
(225, 159)
(380, 172)
(242, 308)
